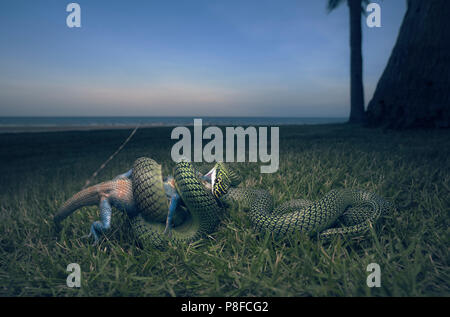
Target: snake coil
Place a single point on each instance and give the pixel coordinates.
(354, 210)
(203, 209)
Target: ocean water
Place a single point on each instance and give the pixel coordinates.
(30, 124)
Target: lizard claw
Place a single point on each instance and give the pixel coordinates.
(89, 236)
(94, 233)
(168, 229)
(86, 236)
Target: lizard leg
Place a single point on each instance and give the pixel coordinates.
(175, 198)
(99, 227)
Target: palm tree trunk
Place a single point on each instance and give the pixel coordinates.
(357, 114)
(414, 88)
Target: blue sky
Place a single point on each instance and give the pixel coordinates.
(185, 58)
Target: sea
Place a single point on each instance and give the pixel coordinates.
(42, 124)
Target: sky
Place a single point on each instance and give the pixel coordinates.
(278, 58)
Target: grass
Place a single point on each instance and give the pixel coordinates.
(410, 168)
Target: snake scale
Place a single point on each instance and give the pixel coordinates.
(353, 210)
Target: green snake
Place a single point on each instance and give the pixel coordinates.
(202, 209)
(354, 211)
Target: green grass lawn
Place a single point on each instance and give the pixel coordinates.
(38, 171)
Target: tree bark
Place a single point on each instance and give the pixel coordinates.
(414, 90)
(356, 63)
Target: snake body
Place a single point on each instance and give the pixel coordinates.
(311, 217)
(204, 210)
(353, 210)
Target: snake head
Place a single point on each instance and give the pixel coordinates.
(210, 177)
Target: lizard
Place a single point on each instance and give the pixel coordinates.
(118, 193)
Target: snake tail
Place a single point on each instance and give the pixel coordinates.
(358, 209)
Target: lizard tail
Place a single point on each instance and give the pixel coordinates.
(86, 197)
